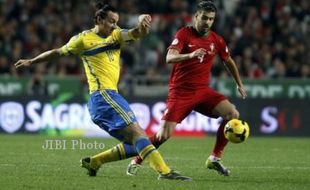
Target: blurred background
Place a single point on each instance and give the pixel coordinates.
(268, 39)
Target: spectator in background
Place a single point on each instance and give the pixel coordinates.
(279, 29)
(305, 71)
(4, 66)
(37, 86)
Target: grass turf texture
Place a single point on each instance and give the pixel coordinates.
(259, 163)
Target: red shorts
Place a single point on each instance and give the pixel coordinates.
(181, 103)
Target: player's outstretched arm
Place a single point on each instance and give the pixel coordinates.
(43, 57)
(231, 65)
(173, 55)
(143, 27)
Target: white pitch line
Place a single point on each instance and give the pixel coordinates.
(10, 165)
(273, 167)
(200, 166)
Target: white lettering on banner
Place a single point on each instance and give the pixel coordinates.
(157, 112)
(76, 115)
(47, 117)
(202, 123)
(10, 88)
(298, 91)
(32, 112)
(63, 116)
(142, 113)
(198, 122)
(86, 119)
(188, 124)
(264, 91)
(11, 116)
(270, 122)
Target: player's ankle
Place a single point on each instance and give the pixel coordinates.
(137, 160)
(214, 158)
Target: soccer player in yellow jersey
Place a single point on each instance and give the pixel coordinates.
(99, 49)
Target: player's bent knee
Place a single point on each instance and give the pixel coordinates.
(135, 132)
(233, 114)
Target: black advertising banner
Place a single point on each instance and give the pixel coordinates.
(281, 117)
(68, 115)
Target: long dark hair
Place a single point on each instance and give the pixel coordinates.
(102, 10)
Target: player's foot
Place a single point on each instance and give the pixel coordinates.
(174, 175)
(133, 168)
(85, 163)
(218, 166)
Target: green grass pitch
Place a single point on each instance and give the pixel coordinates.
(259, 163)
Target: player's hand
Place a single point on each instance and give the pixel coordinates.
(23, 63)
(145, 21)
(197, 53)
(242, 91)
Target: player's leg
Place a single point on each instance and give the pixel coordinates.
(179, 105)
(216, 105)
(125, 128)
(227, 111)
(134, 143)
(142, 147)
(157, 139)
(149, 153)
(106, 110)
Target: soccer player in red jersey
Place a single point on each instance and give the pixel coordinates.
(192, 53)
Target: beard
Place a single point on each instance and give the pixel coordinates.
(203, 31)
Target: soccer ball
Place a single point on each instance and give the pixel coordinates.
(236, 131)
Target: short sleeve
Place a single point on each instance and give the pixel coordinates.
(223, 49)
(74, 46)
(179, 40)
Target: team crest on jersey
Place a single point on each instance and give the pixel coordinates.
(212, 47)
(175, 41)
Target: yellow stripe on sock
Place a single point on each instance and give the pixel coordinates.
(121, 151)
(143, 153)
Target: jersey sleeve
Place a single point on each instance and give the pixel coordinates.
(179, 40)
(74, 46)
(223, 49)
(122, 36)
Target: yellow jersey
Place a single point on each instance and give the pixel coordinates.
(100, 56)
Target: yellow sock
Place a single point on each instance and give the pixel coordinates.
(151, 155)
(113, 154)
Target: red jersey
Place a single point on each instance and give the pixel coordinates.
(195, 73)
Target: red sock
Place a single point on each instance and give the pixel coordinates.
(221, 141)
(155, 141)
